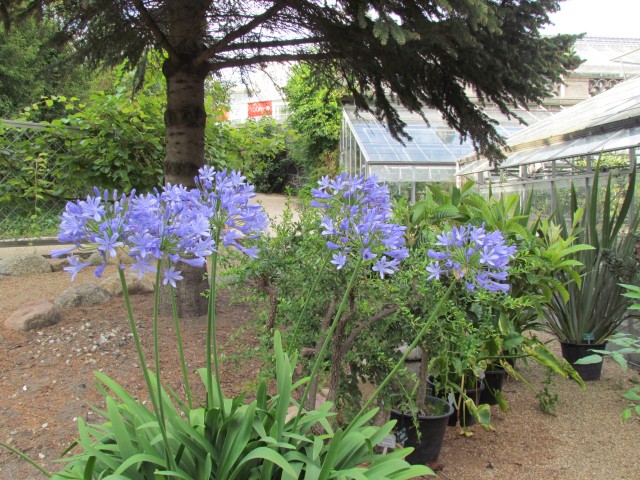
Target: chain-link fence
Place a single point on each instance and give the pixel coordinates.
(33, 184)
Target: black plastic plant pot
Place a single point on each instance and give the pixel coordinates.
(431, 430)
(573, 352)
(493, 380)
(466, 417)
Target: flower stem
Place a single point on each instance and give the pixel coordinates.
(212, 349)
(156, 354)
(183, 364)
(143, 364)
(435, 312)
(291, 341)
(27, 459)
(332, 328)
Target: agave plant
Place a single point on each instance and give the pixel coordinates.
(595, 307)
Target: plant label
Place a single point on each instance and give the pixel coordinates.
(388, 442)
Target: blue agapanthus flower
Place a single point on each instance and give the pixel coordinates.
(357, 221)
(472, 255)
(176, 225)
(223, 199)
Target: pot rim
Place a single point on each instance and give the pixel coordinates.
(432, 400)
(591, 345)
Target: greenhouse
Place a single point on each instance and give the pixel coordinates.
(429, 156)
(435, 152)
(565, 148)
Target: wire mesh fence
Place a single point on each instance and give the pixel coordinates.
(33, 184)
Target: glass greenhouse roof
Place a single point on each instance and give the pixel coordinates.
(433, 144)
(607, 122)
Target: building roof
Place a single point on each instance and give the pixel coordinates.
(607, 122)
(433, 144)
(608, 56)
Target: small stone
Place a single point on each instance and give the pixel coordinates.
(58, 264)
(96, 259)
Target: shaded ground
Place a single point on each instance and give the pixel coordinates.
(46, 384)
(46, 379)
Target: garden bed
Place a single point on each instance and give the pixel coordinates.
(46, 384)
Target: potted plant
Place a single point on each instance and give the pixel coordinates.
(456, 268)
(595, 307)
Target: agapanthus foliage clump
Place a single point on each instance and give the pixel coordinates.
(175, 225)
(473, 255)
(220, 437)
(357, 222)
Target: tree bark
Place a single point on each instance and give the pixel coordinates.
(185, 121)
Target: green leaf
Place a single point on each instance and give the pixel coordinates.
(632, 395)
(264, 453)
(589, 359)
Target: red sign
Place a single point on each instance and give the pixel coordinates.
(260, 109)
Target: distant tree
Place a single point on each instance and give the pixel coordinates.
(32, 67)
(315, 115)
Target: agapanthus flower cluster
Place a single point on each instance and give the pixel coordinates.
(223, 198)
(473, 255)
(176, 225)
(357, 221)
(101, 221)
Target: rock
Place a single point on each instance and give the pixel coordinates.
(58, 264)
(122, 255)
(414, 356)
(122, 258)
(32, 316)
(134, 284)
(82, 295)
(96, 259)
(24, 264)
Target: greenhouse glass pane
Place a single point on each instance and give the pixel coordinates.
(585, 146)
(628, 138)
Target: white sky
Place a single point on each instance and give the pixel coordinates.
(598, 18)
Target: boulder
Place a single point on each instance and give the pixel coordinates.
(24, 264)
(96, 259)
(82, 295)
(58, 264)
(414, 356)
(122, 258)
(134, 284)
(32, 316)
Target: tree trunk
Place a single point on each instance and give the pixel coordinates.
(185, 120)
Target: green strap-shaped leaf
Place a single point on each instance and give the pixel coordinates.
(263, 453)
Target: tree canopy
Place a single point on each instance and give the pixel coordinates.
(32, 66)
(421, 54)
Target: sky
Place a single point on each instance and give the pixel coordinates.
(598, 18)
